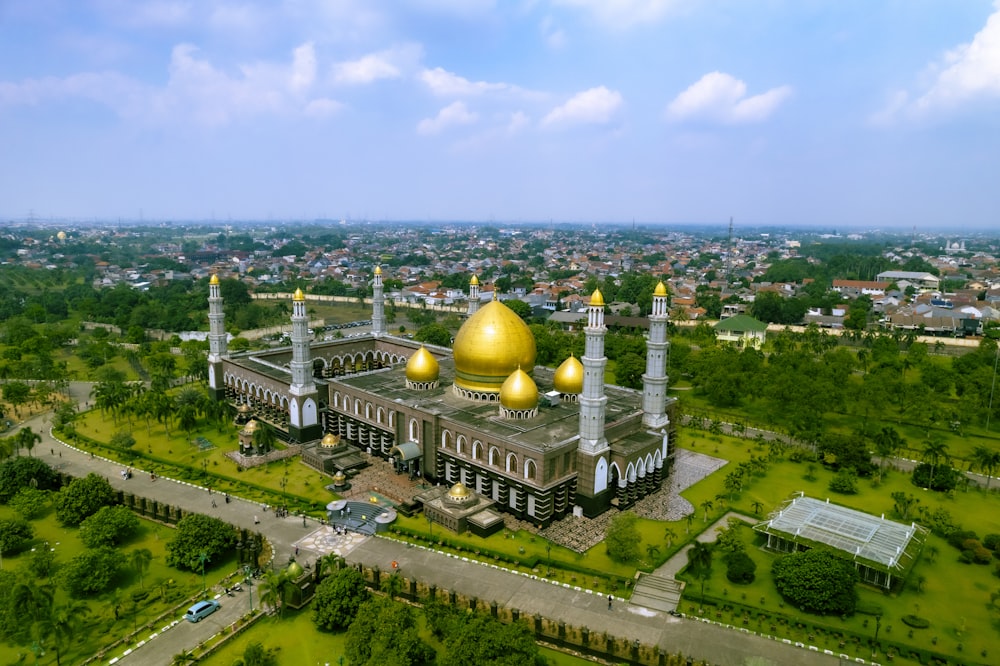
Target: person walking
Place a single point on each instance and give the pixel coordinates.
(256, 520)
(609, 602)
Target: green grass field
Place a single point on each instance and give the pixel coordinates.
(167, 586)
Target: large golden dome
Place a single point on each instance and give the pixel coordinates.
(597, 299)
(459, 491)
(422, 366)
(519, 391)
(491, 345)
(569, 376)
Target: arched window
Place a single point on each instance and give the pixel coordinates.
(477, 450)
(460, 447)
(445, 439)
(368, 411)
(495, 456)
(512, 463)
(357, 406)
(380, 415)
(414, 431)
(529, 469)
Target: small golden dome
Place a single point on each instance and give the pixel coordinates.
(214, 279)
(474, 280)
(61, 235)
(597, 300)
(422, 366)
(298, 295)
(569, 376)
(661, 289)
(294, 570)
(251, 427)
(490, 345)
(519, 391)
(459, 491)
(329, 440)
(339, 478)
(378, 270)
(243, 409)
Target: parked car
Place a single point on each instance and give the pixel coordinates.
(201, 610)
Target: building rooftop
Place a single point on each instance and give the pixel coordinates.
(880, 542)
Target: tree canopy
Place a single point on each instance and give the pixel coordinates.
(83, 498)
(110, 526)
(338, 598)
(622, 539)
(817, 581)
(20, 473)
(196, 535)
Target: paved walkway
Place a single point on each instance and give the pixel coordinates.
(724, 647)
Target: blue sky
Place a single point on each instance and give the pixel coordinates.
(835, 113)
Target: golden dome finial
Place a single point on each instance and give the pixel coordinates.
(597, 299)
(214, 279)
(519, 391)
(422, 366)
(661, 289)
(474, 280)
(378, 270)
(299, 295)
(568, 377)
(495, 294)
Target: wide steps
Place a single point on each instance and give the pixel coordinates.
(657, 592)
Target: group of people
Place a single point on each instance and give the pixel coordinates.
(126, 473)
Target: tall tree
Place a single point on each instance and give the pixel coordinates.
(935, 452)
(700, 563)
(986, 460)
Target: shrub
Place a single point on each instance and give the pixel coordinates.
(916, 621)
(992, 541)
(845, 482)
(817, 581)
(740, 568)
(945, 477)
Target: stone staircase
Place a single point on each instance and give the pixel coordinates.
(656, 592)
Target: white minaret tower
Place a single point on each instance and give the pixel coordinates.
(217, 349)
(473, 295)
(378, 305)
(303, 412)
(654, 382)
(593, 402)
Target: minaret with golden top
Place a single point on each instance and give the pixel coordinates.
(217, 349)
(378, 304)
(593, 402)
(654, 382)
(303, 408)
(473, 295)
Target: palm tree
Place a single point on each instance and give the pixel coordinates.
(935, 451)
(669, 535)
(272, 590)
(986, 461)
(757, 507)
(63, 624)
(139, 559)
(263, 438)
(328, 564)
(27, 438)
(700, 563)
(887, 444)
(706, 506)
(392, 585)
(652, 550)
(690, 519)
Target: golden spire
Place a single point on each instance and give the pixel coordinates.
(597, 300)
(298, 295)
(378, 270)
(214, 279)
(474, 280)
(660, 290)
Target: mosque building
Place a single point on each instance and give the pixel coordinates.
(541, 444)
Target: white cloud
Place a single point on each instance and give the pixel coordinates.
(968, 72)
(720, 97)
(590, 107)
(196, 90)
(446, 84)
(303, 67)
(622, 13)
(553, 35)
(518, 121)
(388, 64)
(454, 114)
(320, 108)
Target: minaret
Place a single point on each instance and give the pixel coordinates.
(378, 305)
(654, 382)
(473, 295)
(303, 414)
(217, 349)
(593, 402)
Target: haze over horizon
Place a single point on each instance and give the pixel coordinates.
(833, 115)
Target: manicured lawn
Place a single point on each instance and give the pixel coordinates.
(300, 643)
(167, 586)
(955, 597)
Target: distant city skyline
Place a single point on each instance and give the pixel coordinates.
(830, 115)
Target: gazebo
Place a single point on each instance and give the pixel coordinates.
(883, 551)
